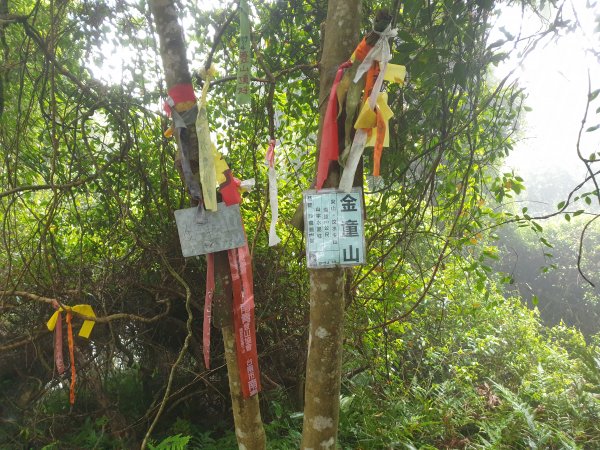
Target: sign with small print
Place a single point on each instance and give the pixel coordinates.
(333, 224)
(216, 231)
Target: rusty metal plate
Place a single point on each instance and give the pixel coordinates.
(219, 230)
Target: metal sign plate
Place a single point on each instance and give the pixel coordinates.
(333, 223)
(222, 230)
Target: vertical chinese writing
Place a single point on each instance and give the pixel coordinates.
(334, 228)
(244, 64)
(351, 242)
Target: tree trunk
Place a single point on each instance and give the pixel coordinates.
(324, 362)
(246, 412)
(249, 430)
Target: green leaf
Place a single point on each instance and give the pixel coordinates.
(594, 128)
(535, 300)
(561, 205)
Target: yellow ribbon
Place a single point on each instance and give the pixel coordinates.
(206, 149)
(86, 310)
(367, 118)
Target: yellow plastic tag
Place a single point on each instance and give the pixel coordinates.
(86, 310)
(395, 73)
(368, 119)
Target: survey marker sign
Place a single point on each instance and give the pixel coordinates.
(334, 228)
(213, 232)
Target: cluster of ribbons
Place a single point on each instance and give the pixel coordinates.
(214, 171)
(372, 124)
(212, 168)
(55, 324)
(240, 266)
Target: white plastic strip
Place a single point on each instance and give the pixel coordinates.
(356, 151)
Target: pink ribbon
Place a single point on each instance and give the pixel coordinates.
(270, 156)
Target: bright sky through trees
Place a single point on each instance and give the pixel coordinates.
(555, 78)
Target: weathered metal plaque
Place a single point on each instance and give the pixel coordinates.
(220, 230)
(333, 223)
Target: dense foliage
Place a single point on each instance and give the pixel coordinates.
(436, 355)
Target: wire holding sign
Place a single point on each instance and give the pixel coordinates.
(333, 221)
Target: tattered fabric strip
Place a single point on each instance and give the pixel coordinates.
(244, 64)
(208, 298)
(375, 62)
(329, 149)
(379, 53)
(55, 323)
(356, 151)
(71, 344)
(240, 264)
(58, 346)
(206, 150)
(273, 200)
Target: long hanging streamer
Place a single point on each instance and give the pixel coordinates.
(273, 201)
(71, 358)
(358, 145)
(208, 298)
(329, 148)
(206, 149)
(379, 53)
(240, 264)
(58, 344)
(375, 62)
(55, 323)
(379, 141)
(243, 75)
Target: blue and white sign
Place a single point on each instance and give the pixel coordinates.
(334, 229)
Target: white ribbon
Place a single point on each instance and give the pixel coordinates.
(273, 200)
(356, 151)
(382, 53)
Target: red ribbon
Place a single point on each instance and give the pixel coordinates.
(230, 189)
(240, 264)
(329, 149)
(180, 93)
(208, 297)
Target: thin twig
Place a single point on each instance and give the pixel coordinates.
(186, 342)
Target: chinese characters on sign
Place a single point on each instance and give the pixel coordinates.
(222, 230)
(333, 223)
(246, 348)
(244, 63)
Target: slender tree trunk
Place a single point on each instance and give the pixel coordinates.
(246, 412)
(324, 363)
(249, 429)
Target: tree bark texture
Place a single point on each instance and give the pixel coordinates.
(324, 362)
(246, 412)
(175, 65)
(249, 429)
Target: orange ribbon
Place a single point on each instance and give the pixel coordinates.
(378, 148)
